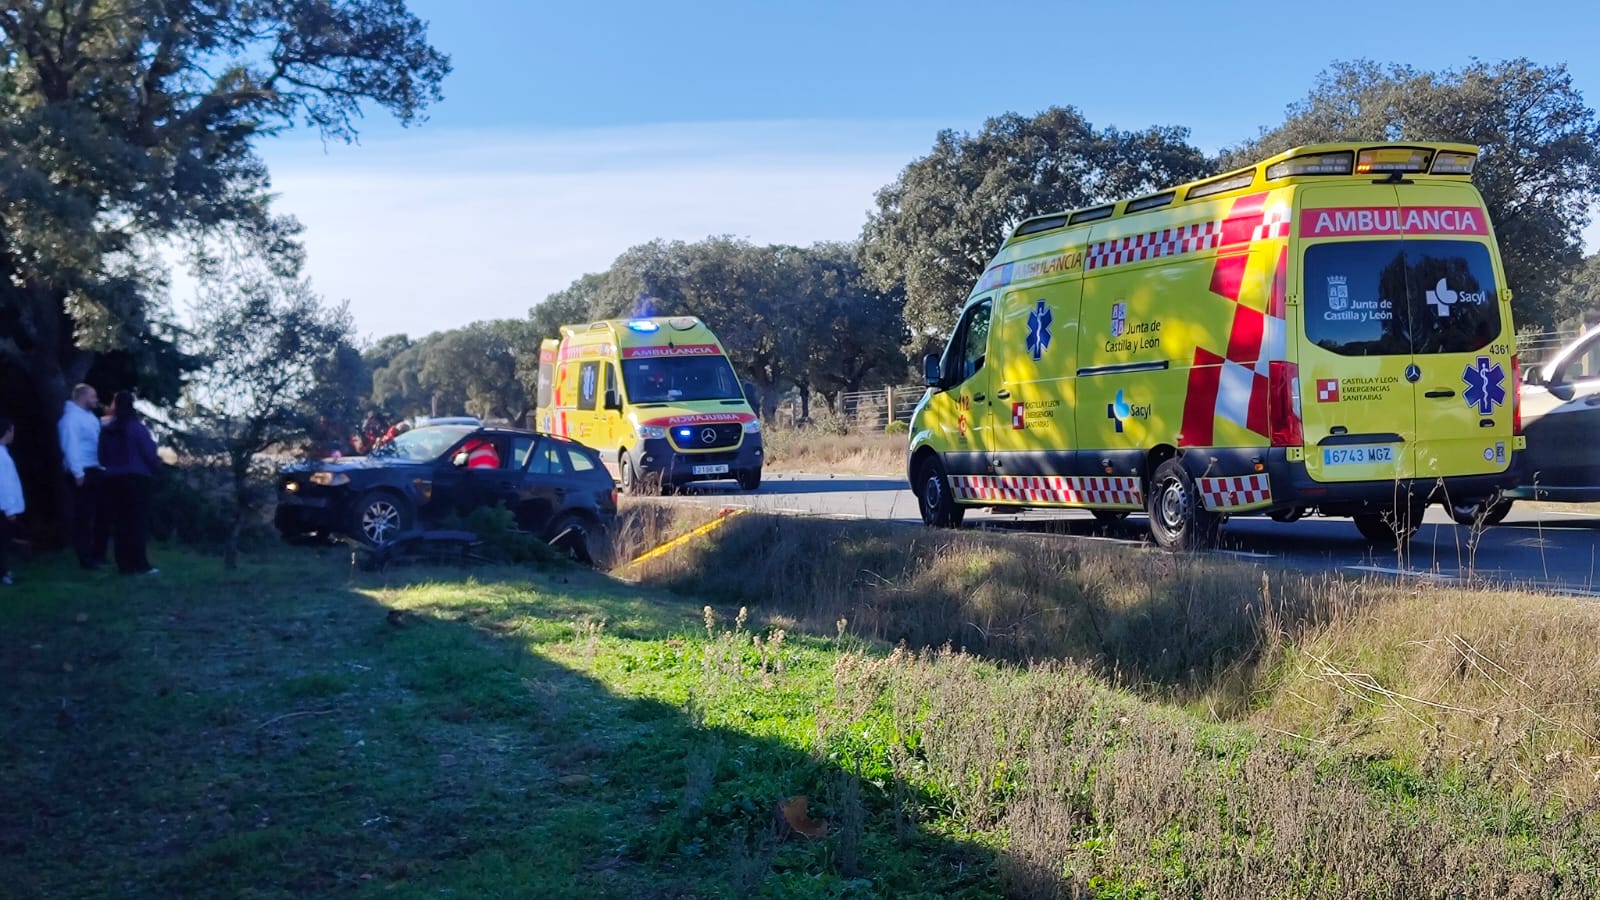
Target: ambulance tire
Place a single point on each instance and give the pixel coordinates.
(750, 480)
(632, 484)
(1391, 530)
(1177, 520)
(934, 499)
(1481, 513)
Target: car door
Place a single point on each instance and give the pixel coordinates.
(1561, 418)
(488, 486)
(544, 486)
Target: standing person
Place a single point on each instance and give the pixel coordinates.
(11, 505)
(129, 454)
(79, 433)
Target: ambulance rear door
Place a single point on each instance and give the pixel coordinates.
(1461, 333)
(1358, 405)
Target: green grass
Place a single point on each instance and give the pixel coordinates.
(289, 729)
(299, 728)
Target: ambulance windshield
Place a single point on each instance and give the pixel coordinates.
(1391, 297)
(680, 378)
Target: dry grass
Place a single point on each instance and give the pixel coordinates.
(813, 450)
(1440, 680)
(1100, 795)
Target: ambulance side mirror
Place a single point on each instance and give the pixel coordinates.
(931, 375)
(1532, 376)
(612, 400)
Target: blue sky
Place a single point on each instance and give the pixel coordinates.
(571, 131)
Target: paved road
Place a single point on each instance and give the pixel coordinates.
(1548, 548)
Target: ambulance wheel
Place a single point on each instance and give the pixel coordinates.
(1481, 513)
(1392, 528)
(938, 505)
(632, 483)
(1177, 521)
(750, 479)
(1109, 516)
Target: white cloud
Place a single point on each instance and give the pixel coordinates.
(429, 234)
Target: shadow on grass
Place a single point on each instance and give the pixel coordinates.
(289, 729)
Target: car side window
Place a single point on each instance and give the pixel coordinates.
(578, 461)
(547, 460)
(521, 449)
(1580, 365)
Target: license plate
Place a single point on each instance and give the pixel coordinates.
(1355, 456)
(711, 470)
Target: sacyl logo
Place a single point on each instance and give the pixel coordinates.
(1441, 298)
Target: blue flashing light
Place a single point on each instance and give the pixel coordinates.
(643, 326)
(685, 432)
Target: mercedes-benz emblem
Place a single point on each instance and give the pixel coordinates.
(1413, 373)
(708, 436)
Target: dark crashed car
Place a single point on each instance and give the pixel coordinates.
(426, 474)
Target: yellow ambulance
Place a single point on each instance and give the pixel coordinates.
(656, 396)
(1328, 331)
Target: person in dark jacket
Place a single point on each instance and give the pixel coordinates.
(128, 455)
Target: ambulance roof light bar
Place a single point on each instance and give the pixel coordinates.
(643, 326)
(1337, 163)
(1449, 162)
(1387, 160)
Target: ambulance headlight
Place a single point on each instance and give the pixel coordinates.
(752, 427)
(647, 432)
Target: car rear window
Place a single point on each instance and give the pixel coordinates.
(1381, 298)
(579, 461)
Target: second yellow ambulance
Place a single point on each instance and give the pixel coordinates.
(656, 396)
(1326, 331)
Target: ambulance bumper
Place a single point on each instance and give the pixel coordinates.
(1292, 486)
(657, 458)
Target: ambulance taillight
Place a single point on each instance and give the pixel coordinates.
(1516, 394)
(1283, 404)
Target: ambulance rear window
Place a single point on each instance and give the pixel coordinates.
(1392, 297)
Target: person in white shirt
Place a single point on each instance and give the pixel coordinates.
(11, 502)
(79, 431)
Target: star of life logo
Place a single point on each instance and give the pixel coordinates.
(1039, 330)
(1327, 390)
(1338, 293)
(1119, 319)
(1486, 385)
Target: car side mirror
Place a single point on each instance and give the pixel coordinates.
(612, 400)
(931, 374)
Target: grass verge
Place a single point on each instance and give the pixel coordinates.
(963, 715)
(813, 450)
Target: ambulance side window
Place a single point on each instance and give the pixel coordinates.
(588, 384)
(965, 356)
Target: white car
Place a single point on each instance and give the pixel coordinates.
(1561, 419)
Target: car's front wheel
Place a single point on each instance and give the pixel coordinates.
(379, 517)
